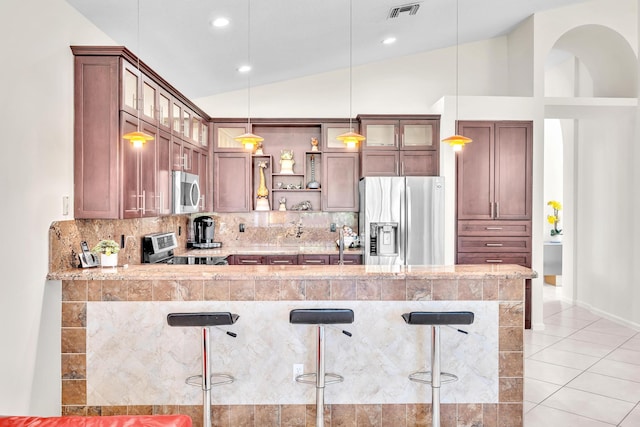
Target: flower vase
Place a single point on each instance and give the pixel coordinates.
(556, 238)
(109, 260)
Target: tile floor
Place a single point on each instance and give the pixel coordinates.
(582, 370)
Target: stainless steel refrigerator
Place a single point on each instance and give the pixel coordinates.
(402, 220)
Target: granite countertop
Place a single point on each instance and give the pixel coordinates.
(292, 272)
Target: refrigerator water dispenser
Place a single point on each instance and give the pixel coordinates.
(384, 239)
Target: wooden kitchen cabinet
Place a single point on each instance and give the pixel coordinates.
(348, 259)
(313, 259)
(112, 180)
(340, 182)
(494, 172)
(232, 182)
(494, 195)
(400, 145)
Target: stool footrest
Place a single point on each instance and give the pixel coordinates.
(306, 378)
(196, 380)
(445, 377)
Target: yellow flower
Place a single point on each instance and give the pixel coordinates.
(551, 219)
(555, 205)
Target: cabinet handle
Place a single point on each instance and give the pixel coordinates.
(313, 261)
(493, 261)
(281, 261)
(494, 245)
(248, 261)
(497, 210)
(402, 168)
(491, 209)
(144, 202)
(493, 228)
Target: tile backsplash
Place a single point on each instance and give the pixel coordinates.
(271, 228)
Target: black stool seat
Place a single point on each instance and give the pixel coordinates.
(438, 317)
(202, 319)
(321, 316)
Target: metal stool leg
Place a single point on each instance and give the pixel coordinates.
(320, 376)
(435, 376)
(206, 379)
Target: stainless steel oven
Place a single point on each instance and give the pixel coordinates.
(186, 192)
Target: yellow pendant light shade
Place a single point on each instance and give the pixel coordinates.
(350, 139)
(249, 140)
(137, 138)
(457, 141)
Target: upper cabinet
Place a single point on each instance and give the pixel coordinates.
(494, 172)
(400, 145)
(113, 96)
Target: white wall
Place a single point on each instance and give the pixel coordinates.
(37, 170)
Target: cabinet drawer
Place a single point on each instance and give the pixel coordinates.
(348, 259)
(313, 259)
(494, 228)
(282, 259)
(494, 244)
(523, 259)
(248, 259)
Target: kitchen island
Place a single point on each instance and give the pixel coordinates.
(120, 356)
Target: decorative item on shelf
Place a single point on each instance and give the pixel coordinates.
(283, 204)
(314, 144)
(313, 184)
(108, 250)
(279, 185)
(302, 206)
(138, 138)
(259, 151)
(351, 138)
(286, 161)
(262, 201)
(457, 141)
(556, 233)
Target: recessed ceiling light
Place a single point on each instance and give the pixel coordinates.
(389, 40)
(220, 22)
(244, 68)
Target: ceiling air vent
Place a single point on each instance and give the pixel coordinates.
(410, 9)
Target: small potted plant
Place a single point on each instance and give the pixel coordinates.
(108, 250)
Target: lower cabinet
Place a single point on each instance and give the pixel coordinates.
(301, 259)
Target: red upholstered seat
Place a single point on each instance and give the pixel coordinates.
(108, 421)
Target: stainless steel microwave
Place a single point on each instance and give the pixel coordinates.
(186, 192)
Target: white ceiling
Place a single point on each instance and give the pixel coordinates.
(290, 38)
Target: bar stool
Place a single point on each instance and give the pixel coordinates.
(205, 320)
(435, 377)
(321, 317)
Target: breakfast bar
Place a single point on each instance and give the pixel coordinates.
(119, 355)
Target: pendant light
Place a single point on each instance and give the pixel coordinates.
(457, 141)
(351, 138)
(138, 138)
(249, 140)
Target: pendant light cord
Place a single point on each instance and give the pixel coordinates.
(457, 13)
(350, 63)
(249, 64)
(138, 60)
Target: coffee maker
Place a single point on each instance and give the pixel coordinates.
(203, 233)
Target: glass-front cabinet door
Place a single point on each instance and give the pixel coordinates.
(419, 134)
(380, 134)
(186, 123)
(176, 117)
(149, 101)
(130, 88)
(224, 135)
(164, 110)
(330, 132)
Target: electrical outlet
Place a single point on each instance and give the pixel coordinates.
(241, 228)
(298, 369)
